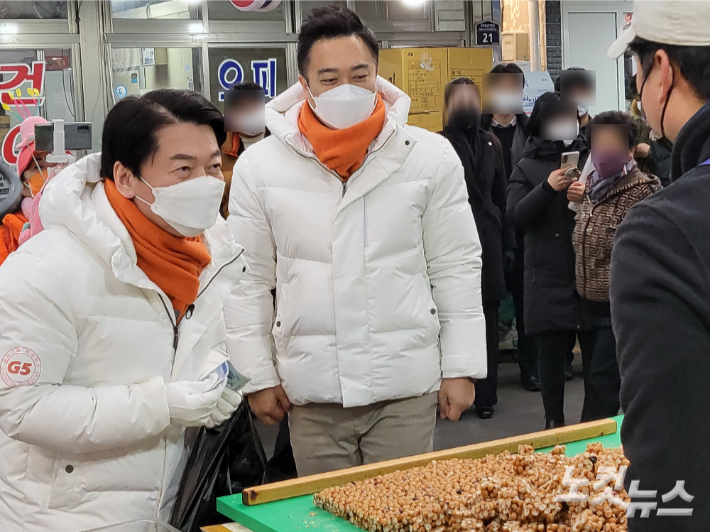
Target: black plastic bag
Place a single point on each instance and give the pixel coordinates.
(223, 461)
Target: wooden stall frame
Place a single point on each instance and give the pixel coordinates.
(312, 484)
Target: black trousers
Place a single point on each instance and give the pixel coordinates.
(602, 394)
(527, 354)
(486, 389)
(552, 350)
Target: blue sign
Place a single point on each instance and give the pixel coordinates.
(263, 71)
(121, 91)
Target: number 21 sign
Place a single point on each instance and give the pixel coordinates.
(487, 33)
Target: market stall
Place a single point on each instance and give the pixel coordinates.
(288, 506)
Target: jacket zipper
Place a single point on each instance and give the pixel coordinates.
(218, 272)
(344, 182)
(176, 337)
(364, 215)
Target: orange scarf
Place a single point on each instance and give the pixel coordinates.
(342, 150)
(171, 262)
(10, 231)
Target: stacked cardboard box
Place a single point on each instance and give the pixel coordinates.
(424, 72)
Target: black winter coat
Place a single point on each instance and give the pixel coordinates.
(517, 150)
(482, 161)
(551, 301)
(660, 306)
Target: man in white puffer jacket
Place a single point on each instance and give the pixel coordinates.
(362, 225)
(111, 323)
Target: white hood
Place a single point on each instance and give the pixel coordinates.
(76, 199)
(282, 114)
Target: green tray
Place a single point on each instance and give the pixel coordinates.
(299, 514)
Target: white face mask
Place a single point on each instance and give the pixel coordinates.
(190, 207)
(565, 131)
(508, 102)
(344, 106)
(583, 109)
(251, 124)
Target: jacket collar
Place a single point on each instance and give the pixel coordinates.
(633, 178)
(692, 147)
(75, 199)
(282, 121)
(282, 115)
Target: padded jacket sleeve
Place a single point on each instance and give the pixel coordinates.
(453, 255)
(250, 308)
(36, 317)
(527, 205)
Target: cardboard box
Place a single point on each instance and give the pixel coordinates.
(471, 63)
(514, 46)
(432, 121)
(420, 72)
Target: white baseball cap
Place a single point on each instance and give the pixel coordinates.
(678, 22)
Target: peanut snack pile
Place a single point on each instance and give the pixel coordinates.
(503, 493)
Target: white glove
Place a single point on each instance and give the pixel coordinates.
(191, 402)
(226, 406)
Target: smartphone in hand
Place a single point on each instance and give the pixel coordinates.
(569, 159)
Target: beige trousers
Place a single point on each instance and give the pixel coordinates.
(328, 437)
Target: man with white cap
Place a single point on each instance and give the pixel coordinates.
(661, 275)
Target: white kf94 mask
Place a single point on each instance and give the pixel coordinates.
(190, 207)
(344, 106)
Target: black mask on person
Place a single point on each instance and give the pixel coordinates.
(465, 118)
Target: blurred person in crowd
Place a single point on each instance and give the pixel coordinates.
(371, 245)
(244, 125)
(659, 273)
(615, 185)
(508, 123)
(577, 85)
(486, 182)
(538, 205)
(112, 323)
(32, 169)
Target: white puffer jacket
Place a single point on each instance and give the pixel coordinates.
(87, 345)
(377, 280)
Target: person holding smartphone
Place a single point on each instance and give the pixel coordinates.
(613, 188)
(538, 205)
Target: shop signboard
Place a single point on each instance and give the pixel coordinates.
(536, 84)
(263, 74)
(19, 77)
(255, 5)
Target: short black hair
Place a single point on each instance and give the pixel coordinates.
(130, 129)
(506, 68)
(693, 62)
(448, 89)
(618, 118)
(246, 86)
(558, 81)
(330, 22)
(245, 91)
(543, 113)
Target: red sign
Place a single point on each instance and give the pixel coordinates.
(8, 151)
(19, 76)
(22, 74)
